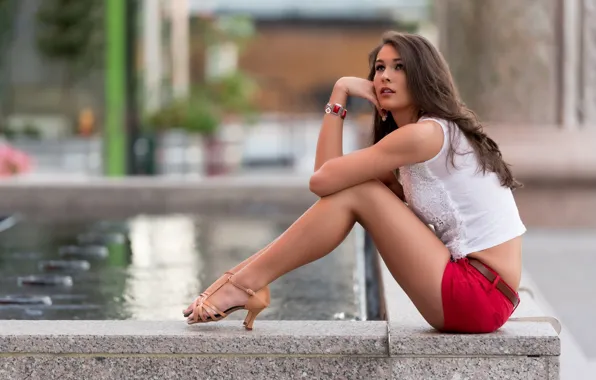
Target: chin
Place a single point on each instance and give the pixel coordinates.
(389, 106)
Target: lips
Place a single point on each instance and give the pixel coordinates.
(386, 91)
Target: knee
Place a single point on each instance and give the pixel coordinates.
(370, 186)
(359, 191)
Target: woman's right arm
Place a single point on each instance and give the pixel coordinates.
(330, 142)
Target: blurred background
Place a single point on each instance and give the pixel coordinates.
(196, 90)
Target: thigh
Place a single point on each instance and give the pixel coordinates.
(413, 254)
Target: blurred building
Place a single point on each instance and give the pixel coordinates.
(520, 62)
(514, 62)
(302, 47)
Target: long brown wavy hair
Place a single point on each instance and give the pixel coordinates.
(434, 93)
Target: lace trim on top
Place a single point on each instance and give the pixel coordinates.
(431, 202)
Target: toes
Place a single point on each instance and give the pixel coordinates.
(190, 308)
(190, 316)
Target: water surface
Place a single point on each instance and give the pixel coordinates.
(164, 262)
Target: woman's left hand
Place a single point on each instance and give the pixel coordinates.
(359, 87)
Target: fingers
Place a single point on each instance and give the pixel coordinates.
(375, 102)
(372, 97)
(382, 112)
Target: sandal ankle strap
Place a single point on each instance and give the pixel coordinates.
(246, 290)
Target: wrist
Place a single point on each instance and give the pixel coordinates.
(336, 109)
(340, 86)
(339, 94)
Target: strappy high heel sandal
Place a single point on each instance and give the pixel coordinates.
(213, 287)
(256, 303)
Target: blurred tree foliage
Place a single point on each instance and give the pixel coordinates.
(204, 109)
(227, 96)
(71, 32)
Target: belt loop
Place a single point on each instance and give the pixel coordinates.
(465, 263)
(496, 281)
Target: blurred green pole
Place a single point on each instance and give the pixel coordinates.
(115, 87)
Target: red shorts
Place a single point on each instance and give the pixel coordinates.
(471, 303)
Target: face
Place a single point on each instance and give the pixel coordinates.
(390, 80)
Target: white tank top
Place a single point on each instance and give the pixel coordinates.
(469, 211)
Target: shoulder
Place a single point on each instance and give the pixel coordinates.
(439, 124)
(427, 128)
(423, 132)
(420, 141)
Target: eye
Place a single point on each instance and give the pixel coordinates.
(379, 68)
(399, 67)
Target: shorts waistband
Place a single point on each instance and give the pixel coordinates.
(500, 284)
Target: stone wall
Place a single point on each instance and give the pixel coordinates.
(504, 55)
(589, 62)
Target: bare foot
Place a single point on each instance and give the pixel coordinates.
(226, 297)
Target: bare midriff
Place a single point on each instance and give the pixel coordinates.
(505, 259)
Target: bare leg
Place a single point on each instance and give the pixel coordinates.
(413, 254)
(244, 263)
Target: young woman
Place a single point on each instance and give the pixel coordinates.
(430, 152)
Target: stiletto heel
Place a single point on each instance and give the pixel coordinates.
(257, 302)
(250, 318)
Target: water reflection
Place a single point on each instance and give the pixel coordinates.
(163, 263)
(163, 267)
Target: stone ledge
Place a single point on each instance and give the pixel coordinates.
(169, 337)
(275, 198)
(409, 333)
(530, 339)
(121, 197)
(269, 337)
(266, 368)
(192, 368)
(519, 350)
(275, 349)
(477, 368)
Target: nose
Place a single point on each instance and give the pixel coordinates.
(385, 76)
